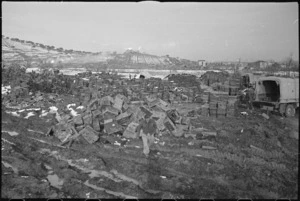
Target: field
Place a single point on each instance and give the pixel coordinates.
(248, 156)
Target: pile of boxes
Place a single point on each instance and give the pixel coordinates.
(211, 77)
(218, 105)
(118, 115)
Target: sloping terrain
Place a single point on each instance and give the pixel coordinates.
(23, 51)
(250, 161)
(35, 53)
(130, 57)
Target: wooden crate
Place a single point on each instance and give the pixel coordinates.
(212, 112)
(221, 111)
(205, 112)
(213, 105)
(230, 112)
(221, 115)
(222, 104)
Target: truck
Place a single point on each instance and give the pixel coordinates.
(277, 94)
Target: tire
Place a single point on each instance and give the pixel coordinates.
(290, 110)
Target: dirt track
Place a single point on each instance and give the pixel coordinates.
(254, 158)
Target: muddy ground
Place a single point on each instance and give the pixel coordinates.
(254, 158)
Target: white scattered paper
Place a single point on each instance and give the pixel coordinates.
(69, 105)
(44, 113)
(29, 115)
(73, 112)
(162, 143)
(5, 140)
(53, 109)
(80, 107)
(5, 90)
(88, 195)
(36, 109)
(117, 143)
(11, 133)
(13, 113)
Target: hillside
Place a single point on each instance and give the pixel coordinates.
(34, 54)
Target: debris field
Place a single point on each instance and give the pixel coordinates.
(76, 137)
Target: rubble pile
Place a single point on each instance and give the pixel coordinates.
(185, 80)
(34, 88)
(257, 152)
(118, 115)
(99, 85)
(27, 87)
(211, 77)
(221, 81)
(11, 72)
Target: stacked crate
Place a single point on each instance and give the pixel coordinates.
(205, 97)
(222, 106)
(213, 105)
(231, 106)
(234, 84)
(205, 110)
(218, 105)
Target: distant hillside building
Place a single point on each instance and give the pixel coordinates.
(261, 64)
(258, 65)
(202, 63)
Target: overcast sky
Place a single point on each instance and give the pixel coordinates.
(210, 31)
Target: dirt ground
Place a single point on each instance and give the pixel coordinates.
(253, 158)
